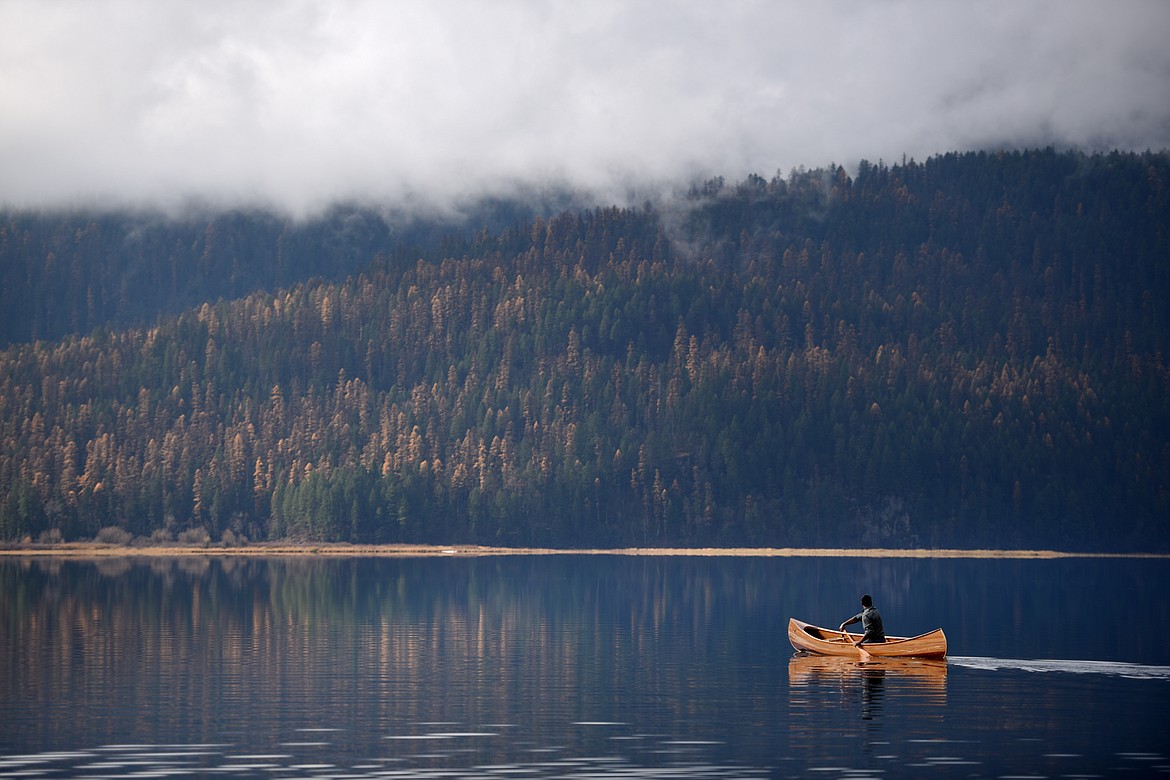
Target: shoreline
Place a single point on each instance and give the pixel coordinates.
(342, 550)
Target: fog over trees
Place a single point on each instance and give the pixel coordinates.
(966, 351)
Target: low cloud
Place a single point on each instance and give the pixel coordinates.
(296, 105)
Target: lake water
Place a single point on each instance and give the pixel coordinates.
(577, 667)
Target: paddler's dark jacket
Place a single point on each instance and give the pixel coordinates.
(871, 625)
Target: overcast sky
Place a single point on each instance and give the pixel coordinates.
(298, 104)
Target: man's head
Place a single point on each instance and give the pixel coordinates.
(866, 601)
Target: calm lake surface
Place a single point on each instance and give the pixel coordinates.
(577, 667)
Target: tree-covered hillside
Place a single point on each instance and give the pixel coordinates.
(73, 272)
(969, 351)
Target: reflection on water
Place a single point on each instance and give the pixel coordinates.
(824, 689)
(919, 679)
(927, 676)
(568, 667)
(259, 655)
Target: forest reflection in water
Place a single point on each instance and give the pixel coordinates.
(568, 666)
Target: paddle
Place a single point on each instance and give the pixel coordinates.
(861, 651)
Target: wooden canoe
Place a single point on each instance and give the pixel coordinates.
(828, 641)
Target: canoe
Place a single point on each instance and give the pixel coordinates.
(828, 641)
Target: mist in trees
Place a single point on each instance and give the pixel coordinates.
(968, 351)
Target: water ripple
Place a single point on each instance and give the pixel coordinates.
(139, 761)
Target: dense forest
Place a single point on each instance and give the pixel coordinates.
(78, 272)
(967, 351)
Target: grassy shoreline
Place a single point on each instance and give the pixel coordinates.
(340, 550)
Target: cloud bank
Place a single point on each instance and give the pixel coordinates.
(296, 105)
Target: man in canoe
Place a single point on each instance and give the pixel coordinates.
(871, 623)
